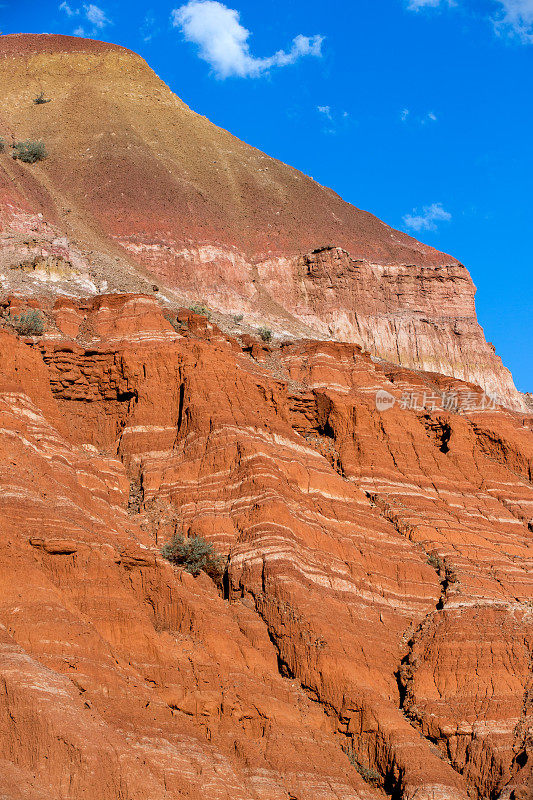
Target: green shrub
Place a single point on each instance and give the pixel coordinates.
(29, 151)
(436, 562)
(176, 324)
(200, 308)
(265, 334)
(29, 323)
(369, 775)
(237, 318)
(195, 554)
(2, 145)
(40, 99)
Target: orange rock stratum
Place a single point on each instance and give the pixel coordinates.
(373, 634)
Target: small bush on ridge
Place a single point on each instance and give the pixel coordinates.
(195, 554)
(40, 99)
(29, 323)
(369, 775)
(265, 334)
(29, 151)
(200, 308)
(2, 145)
(436, 562)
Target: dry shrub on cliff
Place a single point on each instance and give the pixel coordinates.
(29, 151)
(265, 334)
(369, 775)
(195, 554)
(2, 145)
(200, 308)
(40, 99)
(28, 323)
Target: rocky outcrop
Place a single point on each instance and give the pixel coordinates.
(416, 316)
(137, 188)
(375, 629)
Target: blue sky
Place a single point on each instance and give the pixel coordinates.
(419, 111)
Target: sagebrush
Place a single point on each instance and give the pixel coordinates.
(40, 99)
(200, 308)
(368, 774)
(265, 334)
(29, 151)
(28, 323)
(195, 554)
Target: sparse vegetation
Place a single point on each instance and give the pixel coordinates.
(200, 308)
(174, 321)
(238, 318)
(451, 575)
(436, 562)
(265, 334)
(28, 323)
(2, 145)
(369, 775)
(40, 99)
(195, 554)
(29, 151)
(439, 564)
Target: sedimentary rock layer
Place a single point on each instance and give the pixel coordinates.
(137, 186)
(374, 633)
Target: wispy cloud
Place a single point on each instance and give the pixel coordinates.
(417, 5)
(333, 119)
(90, 13)
(96, 16)
(406, 116)
(516, 18)
(427, 219)
(513, 18)
(223, 41)
(69, 11)
(149, 28)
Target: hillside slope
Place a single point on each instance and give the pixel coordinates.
(373, 636)
(139, 188)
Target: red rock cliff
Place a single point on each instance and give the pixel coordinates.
(138, 185)
(374, 636)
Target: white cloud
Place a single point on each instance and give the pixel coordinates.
(405, 116)
(91, 13)
(416, 5)
(516, 18)
(96, 16)
(70, 12)
(427, 219)
(149, 28)
(223, 41)
(333, 119)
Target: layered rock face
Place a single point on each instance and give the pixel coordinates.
(137, 186)
(374, 633)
